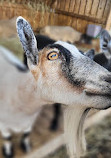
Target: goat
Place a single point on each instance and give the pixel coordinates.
(43, 41)
(59, 73)
(103, 58)
(92, 89)
(14, 66)
(64, 33)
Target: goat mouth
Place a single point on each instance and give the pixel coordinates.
(101, 94)
(104, 99)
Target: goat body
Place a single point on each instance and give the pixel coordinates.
(64, 33)
(103, 58)
(14, 115)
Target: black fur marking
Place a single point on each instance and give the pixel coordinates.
(22, 69)
(86, 39)
(103, 61)
(23, 145)
(104, 45)
(25, 60)
(55, 121)
(64, 53)
(67, 64)
(100, 59)
(105, 39)
(26, 135)
(43, 41)
(90, 53)
(81, 51)
(8, 138)
(10, 155)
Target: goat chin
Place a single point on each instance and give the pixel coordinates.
(74, 131)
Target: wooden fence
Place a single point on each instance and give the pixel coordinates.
(84, 12)
(75, 13)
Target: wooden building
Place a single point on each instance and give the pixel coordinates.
(75, 13)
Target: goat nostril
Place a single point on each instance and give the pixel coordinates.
(108, 80)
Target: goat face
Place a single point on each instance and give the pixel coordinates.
(104, 58)
(105, 42)
(63, 74)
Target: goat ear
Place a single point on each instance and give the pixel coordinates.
(28, 40)
(90, 53)
(105, 41)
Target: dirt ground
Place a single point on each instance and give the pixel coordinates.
(98, 142)
(41, 133)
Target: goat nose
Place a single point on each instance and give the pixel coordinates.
(107, 79)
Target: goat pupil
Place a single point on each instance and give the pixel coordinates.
(53, 55)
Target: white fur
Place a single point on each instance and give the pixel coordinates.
(74, 131)
(7, 146)
(13, 116)
(27, 144)
(11, 57)
(74, 51)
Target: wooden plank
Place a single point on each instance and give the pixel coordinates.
(77, 6)
(62, 4)
(79, 22)
(108, 24)
(58, 4)
(84, 26)
(74, 23)
(82, 7)
(107, 9)
(46, 18)
(69, 20)
(72, 4)
(94, 8)
(81, 28)
(54, 5)
(47, 148)
(51, 18)
(64, 20)
(61, 21)
(67, 4)
(84, 17)
(56, 19)
(101, 8)
(88, 7)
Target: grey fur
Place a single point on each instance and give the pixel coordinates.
(90, 53)
(27, 39)
(105, 42)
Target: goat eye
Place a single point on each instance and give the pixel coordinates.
(52, 56)
(104, 45)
